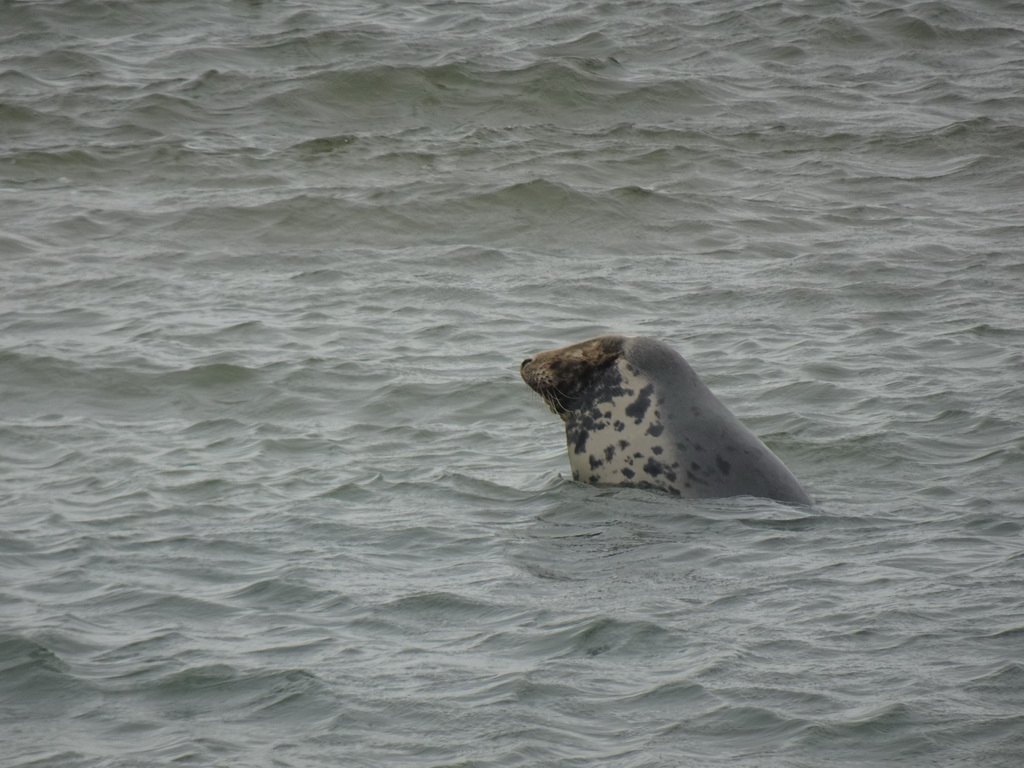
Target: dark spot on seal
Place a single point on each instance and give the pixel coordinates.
(581, 440)
(638, 408)
(575, 475)
(638, 455)
(609, 453)
(593, 479)
(694, 479)
(655, 430)
(619, 426)
(696, 411)
(623, 444)
(653, 467)
(694, 466)
(607, 414)
(723, 465)
(595, 462)
(658, 450)
(628, 473)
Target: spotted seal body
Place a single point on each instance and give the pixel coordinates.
(636, 414)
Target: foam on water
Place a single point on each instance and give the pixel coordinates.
(274, 493)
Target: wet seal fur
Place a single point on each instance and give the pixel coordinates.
(637, 415)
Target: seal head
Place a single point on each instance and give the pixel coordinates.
(637, 415)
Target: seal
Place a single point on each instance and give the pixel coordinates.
(637, 415)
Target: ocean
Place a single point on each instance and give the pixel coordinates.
(272, 490)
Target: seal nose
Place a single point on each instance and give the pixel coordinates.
(525, 363)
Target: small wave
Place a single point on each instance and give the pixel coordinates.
(604, 635)
(445, 608)
(887, 732)
(928, 24)
(41, 165)
(279, 594)
(211, 375)
(215, 686)
(327, 144)
(745, 726)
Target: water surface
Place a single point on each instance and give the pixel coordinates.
(274, 495)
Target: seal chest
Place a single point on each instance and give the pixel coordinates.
(637, 415)
(618, 438)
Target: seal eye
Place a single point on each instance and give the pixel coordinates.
(526, 362)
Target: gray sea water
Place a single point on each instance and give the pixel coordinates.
(273, 494)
